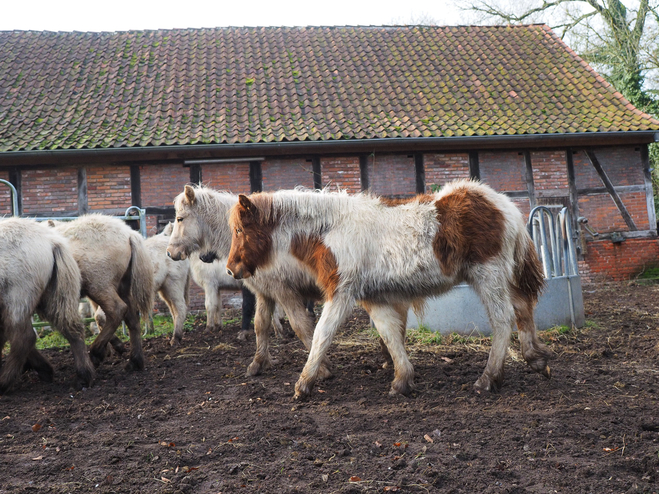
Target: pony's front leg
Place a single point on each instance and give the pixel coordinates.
(391, 321)
(334, 313)
(262, 323)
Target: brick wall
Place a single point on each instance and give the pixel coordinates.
(623, 261)
(286, 174)
(392, 175)
(230, 177)
(160, 184)
(54, 190)
(5, 195)
(341, 173)
(503, 171)
(108, 187)
(440, 168)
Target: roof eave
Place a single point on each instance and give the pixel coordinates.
(352, 146)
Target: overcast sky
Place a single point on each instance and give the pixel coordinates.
(122, 15)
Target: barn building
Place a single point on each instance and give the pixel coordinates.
(102, 121)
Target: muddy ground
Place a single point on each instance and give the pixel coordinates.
(192, 423)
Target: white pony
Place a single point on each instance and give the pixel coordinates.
(38, 273)
(171, 280)
(390, 254)
(202, 226)
(117, 275)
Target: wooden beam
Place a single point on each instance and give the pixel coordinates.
(649, 194)
(573, 196)
(317, 178)
(611, 190)
(83, 203)
(255, 176)
(135, 186)
(363, 171)
(474, 165)
(419, 171)
(530, 184)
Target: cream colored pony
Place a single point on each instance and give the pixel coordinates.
(117, 275)
(38, 274)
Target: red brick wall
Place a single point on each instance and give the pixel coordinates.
(623, 261)
(341, 173)
(392, 175)
(230, 177)
(286, 174)
(5, 195)
(604, 217)
(108, 187)
(54, 190)
(549, 170)
(160, 184)
(441, 168)
(503, 171)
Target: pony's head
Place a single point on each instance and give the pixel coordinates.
(186, 234)
(251, 225)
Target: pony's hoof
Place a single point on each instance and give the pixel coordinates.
(302, 390)
(254, 369)
(243, 335)
(324, 373)
(174, 341)
(401, 388)
(546, 372)
(134, 365)
(486, 385)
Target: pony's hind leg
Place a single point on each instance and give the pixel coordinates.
(536, 353)
(22, 340)
(391, 321)
(495, 295)
(213, 304)
(136, 358)
(74, 331)
(334, 313)
(40, 364)
(265, 307)
(114, 309)
(302, 324)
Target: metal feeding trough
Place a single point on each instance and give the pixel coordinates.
(561, 303)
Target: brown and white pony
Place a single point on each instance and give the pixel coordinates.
(38, 274)
(202, 225)
(387, 255)
(117, 275)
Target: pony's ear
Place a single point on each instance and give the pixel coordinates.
(51, 223)
(246, 203)
(189, 194)
(167, 231)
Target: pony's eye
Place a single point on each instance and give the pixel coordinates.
(179, 219)
(239, 231)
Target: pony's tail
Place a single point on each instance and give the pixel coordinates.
(141, 276)
(529, 277)
(62, 295)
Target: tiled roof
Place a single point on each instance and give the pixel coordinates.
(247, 85)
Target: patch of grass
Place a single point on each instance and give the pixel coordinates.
(424, 336)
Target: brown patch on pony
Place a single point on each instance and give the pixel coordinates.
(252, 223)
(311, 251)
(470, 230)
(393, 202)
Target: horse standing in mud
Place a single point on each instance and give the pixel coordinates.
(117, 275)
(387, 255)
(38, 273)
(202, 225)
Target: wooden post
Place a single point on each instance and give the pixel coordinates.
(530, 184)
(83, 203)
(474, 165)
(573, 197)
(612, 191)
(255, 176)
(649, 195)
(315, 166)
(135, 186)
(420, 173)
(363, 171)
